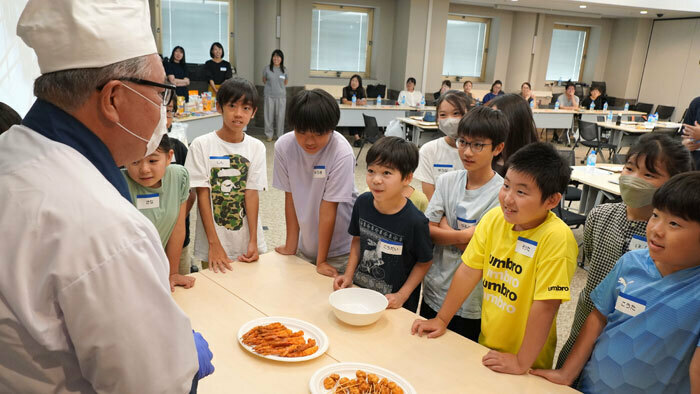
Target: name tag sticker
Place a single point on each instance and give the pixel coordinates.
(526, 247)
(442, 168)
(463, 224)
(319, 172)
(219, 161)
(638, 242)
(283, 77)
(390, 247)
(630, 305)
(222, 68)
(147, 201)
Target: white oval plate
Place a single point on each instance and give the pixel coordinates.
(347, 370)
(310, 331)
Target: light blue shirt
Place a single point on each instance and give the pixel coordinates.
(649, 352)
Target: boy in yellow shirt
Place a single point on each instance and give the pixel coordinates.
(524, 257)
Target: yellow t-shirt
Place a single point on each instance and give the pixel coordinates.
(419, 199)
(519, 267)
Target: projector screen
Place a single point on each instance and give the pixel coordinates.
(18, 65)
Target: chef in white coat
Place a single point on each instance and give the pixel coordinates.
(85, 304)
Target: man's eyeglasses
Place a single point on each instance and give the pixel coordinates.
(476, 147)
(166, 94)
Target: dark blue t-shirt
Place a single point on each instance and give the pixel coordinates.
(390, 245)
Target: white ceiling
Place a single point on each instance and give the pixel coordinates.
(598, 8)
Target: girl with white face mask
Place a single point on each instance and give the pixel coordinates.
(612, 230)
(440, 156)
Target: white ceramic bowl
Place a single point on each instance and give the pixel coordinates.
(358, 306)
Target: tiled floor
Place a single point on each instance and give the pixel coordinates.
(272, 216)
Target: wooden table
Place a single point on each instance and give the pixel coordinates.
(599, 183)
(418, 129)
(197, 125)
(592, 115)
(351, 116)
(627, 133)
(279, 285)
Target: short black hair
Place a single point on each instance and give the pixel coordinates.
(526, 83)
(394, 152)
(466, 82)
(411, 79)
(8, 117)
(211, 49)
(446, 83)
(313, 110)
(677, 197)
(541, 161)
(165, 144)
(496, 82)
(457, 99)
(484, 122)
(661, 148)
(237, 88)
(569, 84)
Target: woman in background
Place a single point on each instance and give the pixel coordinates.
(217, 69)
(355, 88)
(410, 96)
(527, 94)
(176, 70)
(496, 90)
(275, 78)
(521, 127)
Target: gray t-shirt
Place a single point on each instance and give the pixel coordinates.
(274, 85)
(565, 102)
(327, 175)
(463, 209)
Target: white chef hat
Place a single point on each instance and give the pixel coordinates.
(67, 34)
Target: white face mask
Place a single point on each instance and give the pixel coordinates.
(449, 126)
(160, 130)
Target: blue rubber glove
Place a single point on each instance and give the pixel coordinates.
(204, 355)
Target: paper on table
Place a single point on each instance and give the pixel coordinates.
(614, 169)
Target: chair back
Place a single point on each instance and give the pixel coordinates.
(600, 118)
(670, 131)
(665, 112)
(568, 155)
(587, 130)
(372, 132)
(644, 107)
(619, 158)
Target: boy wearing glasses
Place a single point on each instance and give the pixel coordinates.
(461, 198)
(523, 257)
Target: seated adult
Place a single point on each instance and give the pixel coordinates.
(444, 88)
(595, 96)
(691, 130)
(496, 90)
(568, 100)
(410, 96)
(355, 88)
(217, 69)
(467, 87)
(527, 94)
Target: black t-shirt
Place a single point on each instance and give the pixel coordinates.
(179, 156)
(390, 245)
(586, 103)
(218, 72)
(179, 71)
(348, 92)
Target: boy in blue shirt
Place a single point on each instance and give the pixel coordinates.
(644, 335)
(391, 249)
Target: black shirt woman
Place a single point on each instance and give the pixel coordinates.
(217, 69)
(176, 70)
(354, 88)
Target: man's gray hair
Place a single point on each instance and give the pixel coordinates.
(70, 89)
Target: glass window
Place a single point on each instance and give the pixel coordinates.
(194, 25)
(341, 40)
(466, 46)
(567, 53)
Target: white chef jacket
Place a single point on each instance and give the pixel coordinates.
(85, 303)
(412, 98)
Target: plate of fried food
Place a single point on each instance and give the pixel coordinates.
(358, 378)
(283, 339)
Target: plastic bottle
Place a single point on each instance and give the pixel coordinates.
(556, 105)
(354, 100)
(627, 106)
(403, 100)
(422, 102)
(610, 117)
(590, 161)
(605, 106)
(532, 104)
(559, 82)
(379, 100)
(656, 117)
(592, 106)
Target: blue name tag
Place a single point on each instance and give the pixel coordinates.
(319, 172)
(465, 223)
(526, 246)
(147, 201)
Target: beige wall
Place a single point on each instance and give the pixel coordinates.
(628, 47)
(400, 44)
(265, 36)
